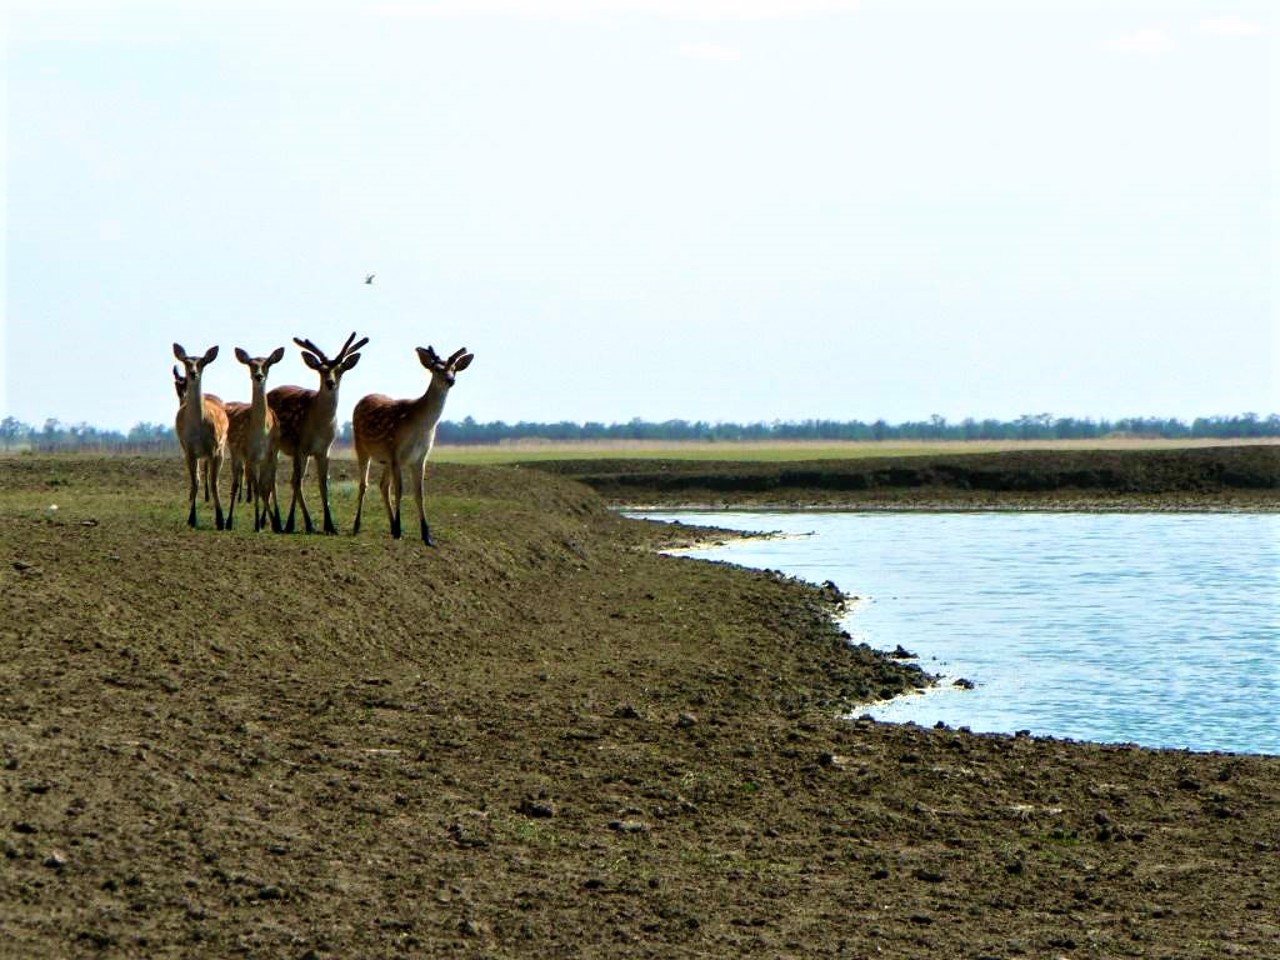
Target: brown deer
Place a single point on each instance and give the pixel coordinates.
(252, 438)
(201, 425)
(180, 387)
(307, 421)
(400, 433)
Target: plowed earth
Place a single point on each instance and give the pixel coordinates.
(541, 738)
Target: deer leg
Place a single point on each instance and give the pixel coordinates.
(299, 468)
(422, 513)
(322, 467)
(384, 487)
(215, 465)
(397, 483)
(193, 488)
(363, 468)
(235, 494)
(272, 497)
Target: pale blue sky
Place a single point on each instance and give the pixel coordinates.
(754, 210)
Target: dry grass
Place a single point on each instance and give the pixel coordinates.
(528, 450)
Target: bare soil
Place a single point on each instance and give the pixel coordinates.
(542, 738)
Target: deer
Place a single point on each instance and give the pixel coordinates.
(180, 387)
(253, 441)
(201, 425)
(307, 421)
(400, 433)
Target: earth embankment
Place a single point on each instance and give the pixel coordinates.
(540, 738)
(1245, 477)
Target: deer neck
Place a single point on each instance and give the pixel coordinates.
(429, 406)
(193, 400)
(258, 407)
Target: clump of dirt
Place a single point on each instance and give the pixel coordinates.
(542, 737)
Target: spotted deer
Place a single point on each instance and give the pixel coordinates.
(400, 433)
(307, 422)
(252, 439)
(201, 425)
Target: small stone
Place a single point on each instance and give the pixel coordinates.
(627, 712)
(540, 809)
(56, 860)
(686, 721)
(628, 826)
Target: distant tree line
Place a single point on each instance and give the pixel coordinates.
(1042, 426)
(55, 436)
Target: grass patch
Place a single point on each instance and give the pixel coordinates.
(534, 451)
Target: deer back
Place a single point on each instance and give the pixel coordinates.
(384, 427)
(292, 407)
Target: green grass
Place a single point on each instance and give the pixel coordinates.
(779, 451)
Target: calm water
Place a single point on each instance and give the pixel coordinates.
(1156, 629)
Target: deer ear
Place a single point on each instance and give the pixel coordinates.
(179, 352)
(464, 361)
(426, 356)
(242, 355)
(276, 356)
(350, 362)
(312, 361)
(210, 355)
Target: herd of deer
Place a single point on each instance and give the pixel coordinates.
(302, 424)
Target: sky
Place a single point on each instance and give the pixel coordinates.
(720, 210)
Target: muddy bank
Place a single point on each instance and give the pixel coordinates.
(1245, 477)
(540, 738)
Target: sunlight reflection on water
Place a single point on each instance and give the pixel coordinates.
(1158, 629)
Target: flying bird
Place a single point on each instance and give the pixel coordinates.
(368, 277)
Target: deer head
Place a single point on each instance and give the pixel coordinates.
(258, 366)
(194, 365)
(331, 371)
(444, 372)
(179, 382)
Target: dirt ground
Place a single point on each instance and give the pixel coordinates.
(541, 738)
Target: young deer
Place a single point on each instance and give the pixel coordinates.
(180, 388)
(397, 433)
(307, 421)
(252, 438)
(201, 425)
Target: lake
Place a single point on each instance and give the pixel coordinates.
(1157, 629)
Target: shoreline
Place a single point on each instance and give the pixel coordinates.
(942, 505)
